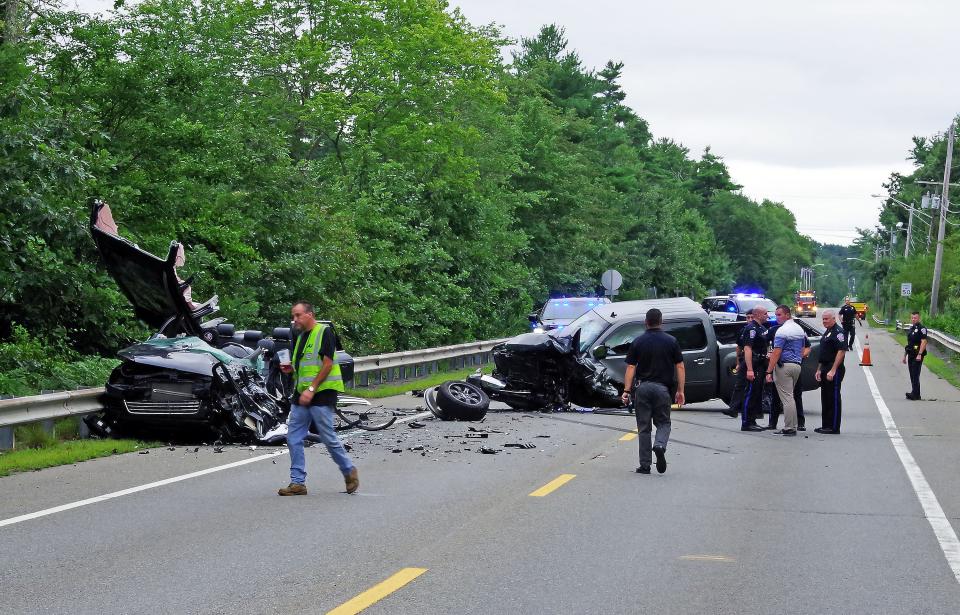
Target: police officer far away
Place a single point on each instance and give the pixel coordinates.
(848, 314)
(914, 352)
(655, 375)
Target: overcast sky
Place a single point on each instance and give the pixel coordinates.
(812, 103)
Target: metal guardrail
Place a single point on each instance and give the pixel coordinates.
(882, 323)
(938, 336)
(374, 369)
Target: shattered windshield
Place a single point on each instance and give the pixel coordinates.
(590, 325)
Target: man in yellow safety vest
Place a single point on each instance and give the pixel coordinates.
(318, 379)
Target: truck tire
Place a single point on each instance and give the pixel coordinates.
(462, 401)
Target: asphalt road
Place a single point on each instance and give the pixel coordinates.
(740, 523)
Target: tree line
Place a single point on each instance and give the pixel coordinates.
(889, 264)
(380, 158)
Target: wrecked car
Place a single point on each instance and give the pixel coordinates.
(194, 375)
(584, 363)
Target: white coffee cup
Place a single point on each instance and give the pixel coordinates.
(284, 356)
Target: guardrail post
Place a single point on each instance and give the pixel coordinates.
(6, 438)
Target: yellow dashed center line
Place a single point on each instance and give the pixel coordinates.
(553, 485)
(629, 436)
(377, 592)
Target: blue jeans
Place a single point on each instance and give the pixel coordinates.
(298, 423)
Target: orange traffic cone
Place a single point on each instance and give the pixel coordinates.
(865, 360)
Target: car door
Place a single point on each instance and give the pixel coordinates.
(618, 340)
(698, 358)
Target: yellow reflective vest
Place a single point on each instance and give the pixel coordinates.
(311, 363)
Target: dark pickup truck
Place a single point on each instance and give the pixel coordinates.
(709, 349)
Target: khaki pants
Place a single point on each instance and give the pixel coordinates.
(786, 378)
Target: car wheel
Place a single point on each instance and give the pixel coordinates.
(462, 401)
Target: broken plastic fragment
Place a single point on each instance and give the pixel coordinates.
(489, 451)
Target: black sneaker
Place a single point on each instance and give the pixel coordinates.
(643, 470)
(660, 452)
(751, 428)
(824, 430)
(801, 428)
(786, 432)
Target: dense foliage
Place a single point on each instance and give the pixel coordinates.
(378, 157)
(884, 247)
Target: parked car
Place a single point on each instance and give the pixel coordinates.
(558, 313)
(715, 306)
(584, 364)
(736, 306)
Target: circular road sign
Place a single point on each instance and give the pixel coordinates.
(611, 279)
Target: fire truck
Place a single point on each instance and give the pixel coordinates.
(805, 303)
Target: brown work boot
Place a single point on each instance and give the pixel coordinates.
(352, 480)
(293, 489)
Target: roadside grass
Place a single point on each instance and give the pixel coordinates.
(400, 388)
(947, 369)
(63, 453)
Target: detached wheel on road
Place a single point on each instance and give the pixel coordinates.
(462, 401)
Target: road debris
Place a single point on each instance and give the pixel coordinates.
(524, 445)
(415, 425)
(486, 450)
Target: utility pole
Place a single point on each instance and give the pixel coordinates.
(906, 249)
(944, 200)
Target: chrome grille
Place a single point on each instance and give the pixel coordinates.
(163, 407)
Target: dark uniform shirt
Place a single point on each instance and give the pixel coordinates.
(833, 341)
(328, 348)
(756, 338)
(742, 340)
(915, 334)
(655, 355)
(847, 314)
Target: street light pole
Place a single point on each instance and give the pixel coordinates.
(938, 263)
(906, 249)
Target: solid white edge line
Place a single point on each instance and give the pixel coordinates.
(168, 481)
(932, 510)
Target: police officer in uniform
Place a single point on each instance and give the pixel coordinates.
(755, 362)
(914, 352)
(740, 384)
(848, 314)
(833, 346)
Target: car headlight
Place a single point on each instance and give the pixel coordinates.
(538, 329)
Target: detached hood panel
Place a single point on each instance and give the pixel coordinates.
(150, 283)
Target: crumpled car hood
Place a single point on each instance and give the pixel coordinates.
(187, 354)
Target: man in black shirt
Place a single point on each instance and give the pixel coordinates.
(914, 352)
(848, 314)
(833, 346)
(655, 374)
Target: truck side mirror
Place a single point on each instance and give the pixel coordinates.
(600, 352)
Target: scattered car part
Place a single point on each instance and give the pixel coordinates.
(462, 401)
